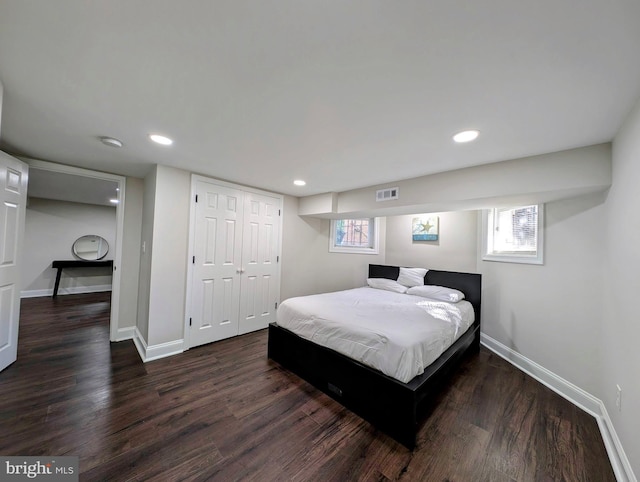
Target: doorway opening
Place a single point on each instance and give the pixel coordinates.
(90, 199)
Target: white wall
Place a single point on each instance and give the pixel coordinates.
(307, 265)
(1, 97)
(455, 250)
(130, 268)
(51, 227)
(169, 256)
(163, 263)
(621, 322)
(144, 281)
(551, 313)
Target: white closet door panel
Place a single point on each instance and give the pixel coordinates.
(258, 293)
(217, 316)
(230, 240)
(249, 291)
(8, 308)
(210, 230)
(258, 303)
(216, 271)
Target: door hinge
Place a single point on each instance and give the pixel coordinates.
(277, 259)
(196, 198)
(190, 321)
(193, 260)
(276, 305)
(279, 212)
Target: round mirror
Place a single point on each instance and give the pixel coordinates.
(90, 247)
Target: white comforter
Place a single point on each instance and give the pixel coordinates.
(398, 334)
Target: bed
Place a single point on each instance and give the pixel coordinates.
(391, 405)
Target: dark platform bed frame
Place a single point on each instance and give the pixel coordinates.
(390, 405)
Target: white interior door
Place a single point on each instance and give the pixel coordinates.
(259, 291)
(217, 260)
(13, 197)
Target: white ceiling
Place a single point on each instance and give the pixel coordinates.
(341, 94)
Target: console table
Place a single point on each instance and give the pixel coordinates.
(60, 265)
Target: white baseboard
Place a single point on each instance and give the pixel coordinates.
(154, 352)
(73, 290)
(164, 349)
(140, 343)
(565, 389)
(619, 460)
(125, 333)
(590, 404)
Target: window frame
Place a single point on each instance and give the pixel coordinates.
(373, 239)
(537, 258)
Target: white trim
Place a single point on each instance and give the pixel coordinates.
(154, 352)
(513, 258)
(190, 253)
(231, 185)
(617, 456)
(117, 259)
(590, 404)
(140, 343)
(71, 290)
(125, 333)
(117, 263)
(565, 389)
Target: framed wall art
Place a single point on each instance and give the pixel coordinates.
(425, 228)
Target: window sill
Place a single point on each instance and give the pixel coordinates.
(337, 249)
(513, 259)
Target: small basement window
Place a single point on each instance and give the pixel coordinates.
(514, 234)
(354, 236)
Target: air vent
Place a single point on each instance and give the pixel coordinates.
(387, 194)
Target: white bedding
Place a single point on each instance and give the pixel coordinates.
(396, 333)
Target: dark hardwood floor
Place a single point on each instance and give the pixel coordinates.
(225, 412)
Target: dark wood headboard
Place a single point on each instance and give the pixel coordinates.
(469, 283)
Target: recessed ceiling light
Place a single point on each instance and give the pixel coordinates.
(165, 141)
(114, 201)
(111, 141)
(299, 182)
(466, 136)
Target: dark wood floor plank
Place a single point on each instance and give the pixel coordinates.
(225, 412)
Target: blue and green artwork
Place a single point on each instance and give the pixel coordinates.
(425, 228)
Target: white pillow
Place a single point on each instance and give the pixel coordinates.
(386, 284)
(437, 293)
(412, 276)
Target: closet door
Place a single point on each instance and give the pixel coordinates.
(13, 197)
(259, 290)
(216, 270)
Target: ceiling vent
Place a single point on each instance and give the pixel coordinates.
(387, 194)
